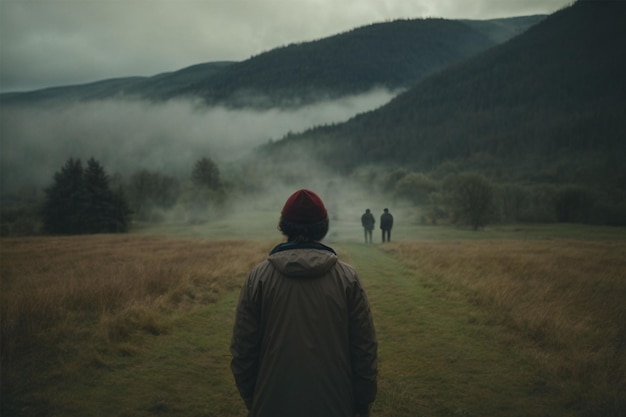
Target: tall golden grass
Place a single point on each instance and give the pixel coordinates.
(67, 296)
(565, 301)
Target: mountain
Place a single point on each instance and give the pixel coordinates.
(392, 54)
(545, 106)
(161, 87)
(501, 30)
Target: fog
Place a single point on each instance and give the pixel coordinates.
(126, 136)
(257, 216)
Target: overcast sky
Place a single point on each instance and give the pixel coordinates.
(59, 42)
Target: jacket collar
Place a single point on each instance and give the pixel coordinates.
(301, 245)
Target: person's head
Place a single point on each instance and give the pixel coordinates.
(386, 210)
(367, 210)
(304, 217)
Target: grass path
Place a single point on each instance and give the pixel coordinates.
(438, 357)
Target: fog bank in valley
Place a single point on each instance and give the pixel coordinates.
(127, 136)
(256, 216)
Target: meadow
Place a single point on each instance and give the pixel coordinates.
(513, 323)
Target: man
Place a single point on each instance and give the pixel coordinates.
(386, 223)
(304, 343)
(368, 221)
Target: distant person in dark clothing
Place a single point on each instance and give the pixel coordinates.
(386, 223)
(368, 221)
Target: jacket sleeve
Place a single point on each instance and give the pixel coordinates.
(363, 349)
(245, 343)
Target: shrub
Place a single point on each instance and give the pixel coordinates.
(470, 197)
(573, 204)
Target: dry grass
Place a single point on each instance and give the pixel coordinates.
(88, 296)
(70, 304)
(563, 300)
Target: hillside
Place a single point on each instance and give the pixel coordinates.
(393, 54)
(160, 87)
(501, 30)
(547, 106)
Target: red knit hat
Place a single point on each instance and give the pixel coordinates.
(304, 206)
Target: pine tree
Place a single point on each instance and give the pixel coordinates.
(65, 200)
(81, 201)
(99, 210)
(121, 213)
(206, 174)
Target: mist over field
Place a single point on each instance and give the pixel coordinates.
(256, 216)
(168, 138)
(127, 136)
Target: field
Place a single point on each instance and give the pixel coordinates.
(513, 323)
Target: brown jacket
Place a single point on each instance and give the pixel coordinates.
(304, 342)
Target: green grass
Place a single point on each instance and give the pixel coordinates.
(262, 224)
(184, 372)
(437, 357)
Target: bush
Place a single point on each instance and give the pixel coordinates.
(415, 187)
(608, 213)
(150, 193)
(19, 221)
(573, 204)
(513, 201)
(470, 197)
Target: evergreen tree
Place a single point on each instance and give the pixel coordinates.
(65, 200)
(205, 174)
(121, 213)
(81, 201)
(207, 191)
(99, 210)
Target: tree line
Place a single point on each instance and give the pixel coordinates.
(471, 198)
(85, 199)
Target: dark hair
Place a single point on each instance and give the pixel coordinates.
(310, 232)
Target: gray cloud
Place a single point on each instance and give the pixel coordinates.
(60, 42)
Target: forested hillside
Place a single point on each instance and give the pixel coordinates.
(547, 106)
(158, 87)
(393, 54)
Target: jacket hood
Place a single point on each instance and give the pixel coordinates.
(302, 260)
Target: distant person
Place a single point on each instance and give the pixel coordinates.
(304, 343)
(368, 221)
(386, 223)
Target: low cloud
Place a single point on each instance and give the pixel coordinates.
(126, 136)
